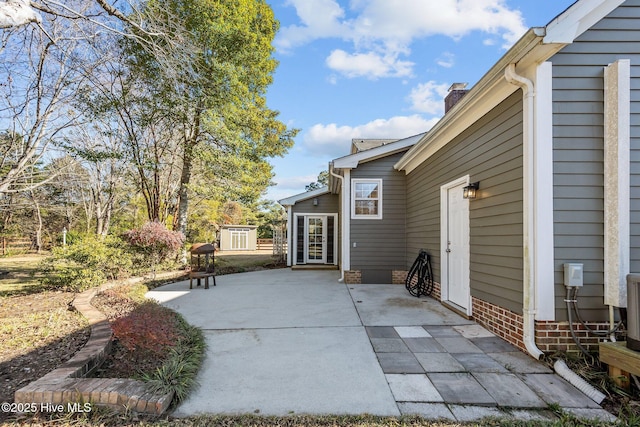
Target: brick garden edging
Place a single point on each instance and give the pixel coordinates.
(68, 383)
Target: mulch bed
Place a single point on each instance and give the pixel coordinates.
(39, 332)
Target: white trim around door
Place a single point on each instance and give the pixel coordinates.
(317, 245)
(454, 246)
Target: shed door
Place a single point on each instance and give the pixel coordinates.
(239, 239)
(456, 247)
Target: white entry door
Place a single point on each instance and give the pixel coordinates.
(455, 246)
(316, 239)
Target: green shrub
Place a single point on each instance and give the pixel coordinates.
(72, 279)
(108, 254)
(89, 261)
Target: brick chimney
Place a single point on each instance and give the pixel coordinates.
(456, 92)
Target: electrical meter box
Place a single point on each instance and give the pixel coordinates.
(573, 275)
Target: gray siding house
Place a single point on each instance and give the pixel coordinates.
(551, 134)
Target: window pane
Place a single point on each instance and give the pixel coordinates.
(366, 207)
(366, 191)
(373, 192)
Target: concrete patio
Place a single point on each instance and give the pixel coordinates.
(299, 342)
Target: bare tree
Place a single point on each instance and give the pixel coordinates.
(38, 80)
(101, 153)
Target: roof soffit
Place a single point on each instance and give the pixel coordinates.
(577, 19)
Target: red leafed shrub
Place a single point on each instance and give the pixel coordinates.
(149, 329)
(155, 238)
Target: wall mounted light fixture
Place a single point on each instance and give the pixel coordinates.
(471, 190)
(315, 202)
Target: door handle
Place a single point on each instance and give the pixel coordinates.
(448, 250)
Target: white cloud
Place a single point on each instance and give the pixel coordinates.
(429, 97)
(287, 186)
(446, 60)
(278, 193)
(382, 31)
(404, 20)
(334, 141)
(296, 182)
(319, 19)
(291, 185)
(325, 142)
(371, 65)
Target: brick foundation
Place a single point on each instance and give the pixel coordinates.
(398, 277)
(436, 293)
(504, 323)
(353, 277)
(550, 336)
(556, 336)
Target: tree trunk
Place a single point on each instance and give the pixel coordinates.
(38, 223)
(106, 222)
(185, 178)
(190, 141)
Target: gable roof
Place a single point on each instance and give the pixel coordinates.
(353, 160)
(534, 47)
(360, 144)
(290, 201)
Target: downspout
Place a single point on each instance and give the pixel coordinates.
(343, 221)
(528, 139)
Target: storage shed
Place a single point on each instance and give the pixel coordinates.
(238, 237)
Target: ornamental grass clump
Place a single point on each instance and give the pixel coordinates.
(155, 241)
(178, 373)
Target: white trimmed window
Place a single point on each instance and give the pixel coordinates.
(366, 200)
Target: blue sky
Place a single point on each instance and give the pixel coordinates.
(380, 68)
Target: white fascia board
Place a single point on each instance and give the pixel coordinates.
(577, 19)
(290, 201)
(353, 160)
